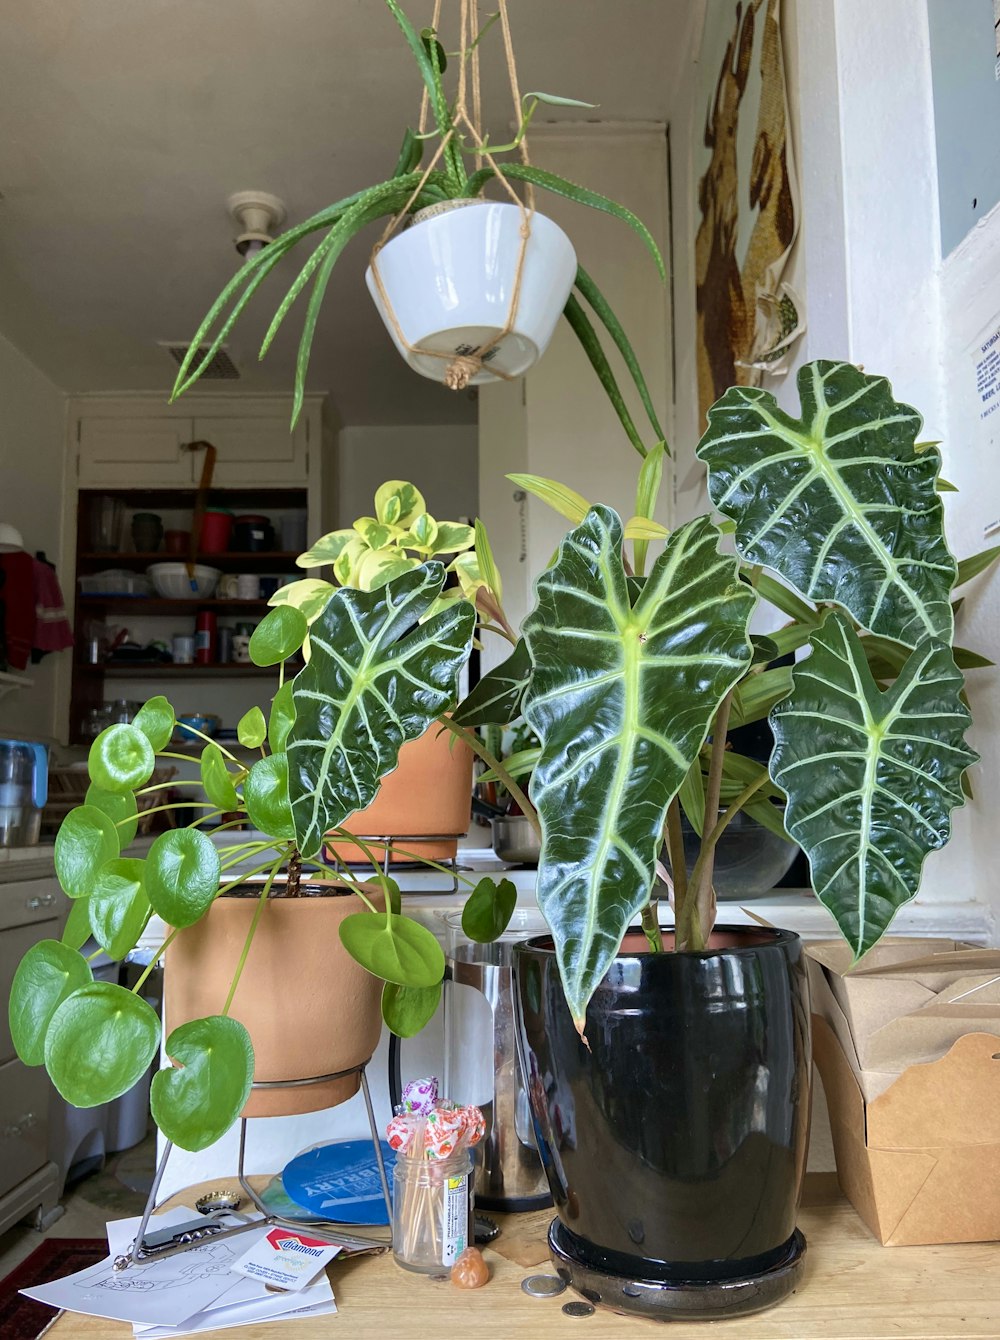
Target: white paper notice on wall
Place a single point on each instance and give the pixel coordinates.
(984, 355)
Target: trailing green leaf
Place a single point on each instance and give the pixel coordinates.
(496, 699)
(87, 839)
(975, 564)
(622, 698)
(197, 1102)
(118, 907)
(587, 335)
(48, 974)
(560, 497)
(839, 503)
(871, 777)
(488, 910)
(252, 729)
(376, 678)
(407, 1009)
(121, 1031)
(397, 949)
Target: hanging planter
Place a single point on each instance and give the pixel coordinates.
(473, 290)
(459, 299)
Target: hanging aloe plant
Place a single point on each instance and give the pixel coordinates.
(462, 165)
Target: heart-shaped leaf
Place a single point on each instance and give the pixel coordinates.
(406, 1009)
(496, 699)
(195, 1105)
(871, 777)
(487, 913)
(47, 975)
(279, 635)
(87, 839)
(77, 932)
(119, 908)
(121, 758)
(216, 779)
(252, 729)
(155, 718)
(622, 697)
(121, 809)
(839, 503)
(182, 876)
(281, 719)
(377, 678)
(265, 795)
(397, 949)
(100, 1042)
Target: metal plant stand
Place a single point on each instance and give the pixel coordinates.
(184, 1237)
(388, 841)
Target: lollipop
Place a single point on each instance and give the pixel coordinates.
(420, 1095)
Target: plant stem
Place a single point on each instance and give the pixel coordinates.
(208, 740)
(678, 865)
(343, 835)
(159, 809)
(699, 917)
(502, 775)
(651, 927)
(154, 960)
(246, 874)
(728, 815)
(250, 850)
(167, 786)
(261, 904)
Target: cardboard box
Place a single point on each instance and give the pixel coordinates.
(908, 1048)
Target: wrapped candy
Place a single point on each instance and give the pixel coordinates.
(420, 1095)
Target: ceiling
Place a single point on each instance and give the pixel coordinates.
(127, 125)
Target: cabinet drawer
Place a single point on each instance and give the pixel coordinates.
(14, 944)
(24, 1105)
(143, 450)
(27, 902)
(253, 449)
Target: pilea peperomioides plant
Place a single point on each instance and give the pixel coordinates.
(629, 678)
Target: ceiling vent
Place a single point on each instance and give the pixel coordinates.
(220, 369)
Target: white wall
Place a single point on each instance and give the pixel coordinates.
(442, 461)
(32, 437)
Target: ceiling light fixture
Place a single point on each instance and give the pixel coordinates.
(255, 214)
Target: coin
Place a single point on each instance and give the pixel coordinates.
(578, 1309)
(543, 1286)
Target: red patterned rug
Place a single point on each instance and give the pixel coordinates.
(24, 1319)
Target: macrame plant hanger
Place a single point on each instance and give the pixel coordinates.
(462, 367)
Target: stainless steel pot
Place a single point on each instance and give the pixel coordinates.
(515, 840)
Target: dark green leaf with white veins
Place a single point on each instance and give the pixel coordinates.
(375, 679)
(100, 1042)
(496, 699)
(195, 1105)
(182, 875)
(838, 503)
(871, 777)
(119, 908)
(622, 698)
(47, 975)
(87, 838)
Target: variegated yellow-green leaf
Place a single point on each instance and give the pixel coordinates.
(308, 595)
(378, 566)
(397, 502)
(871, 777)
(377, 677)
(839, 502)
(622, 698)
(327, 549)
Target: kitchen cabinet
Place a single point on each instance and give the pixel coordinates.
(30, 1183)
(115, 449)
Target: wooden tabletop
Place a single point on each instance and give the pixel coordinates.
(854, 1289)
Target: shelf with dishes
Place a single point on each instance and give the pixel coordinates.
(139, 606)
(261, 560)
(171, 670)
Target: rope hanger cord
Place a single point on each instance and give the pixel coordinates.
(463, 367)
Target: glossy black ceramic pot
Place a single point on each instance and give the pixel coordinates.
(675, 1144)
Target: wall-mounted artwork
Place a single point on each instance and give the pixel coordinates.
(748, 317)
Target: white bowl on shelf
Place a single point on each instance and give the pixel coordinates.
(171, 581)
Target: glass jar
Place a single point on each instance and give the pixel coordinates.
(432, 1206)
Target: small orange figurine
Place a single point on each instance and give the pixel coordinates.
(470, 1270)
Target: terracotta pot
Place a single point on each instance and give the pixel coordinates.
(429, 793)
(309, 1008)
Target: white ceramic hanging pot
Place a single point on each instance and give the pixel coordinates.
(450, 277)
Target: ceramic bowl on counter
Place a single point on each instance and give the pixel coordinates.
(206, 722)
(171, 581)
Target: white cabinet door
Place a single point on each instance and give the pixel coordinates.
(143, 450)
(253, 449)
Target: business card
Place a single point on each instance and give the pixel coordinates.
(286, 1258)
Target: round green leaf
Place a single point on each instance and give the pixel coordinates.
(195, 1105)
(155, 718)
(76, 932)
(395, 948)
(182, 876)
(252, 729)
(488, 910)
(216, 779)
(100, 1043)
(119, 908)
(282, 718)
(119, 806)
(278, 635)
(47, 975)
(406, 1009)
(87, 839)
(121, 758)
(265, 795)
